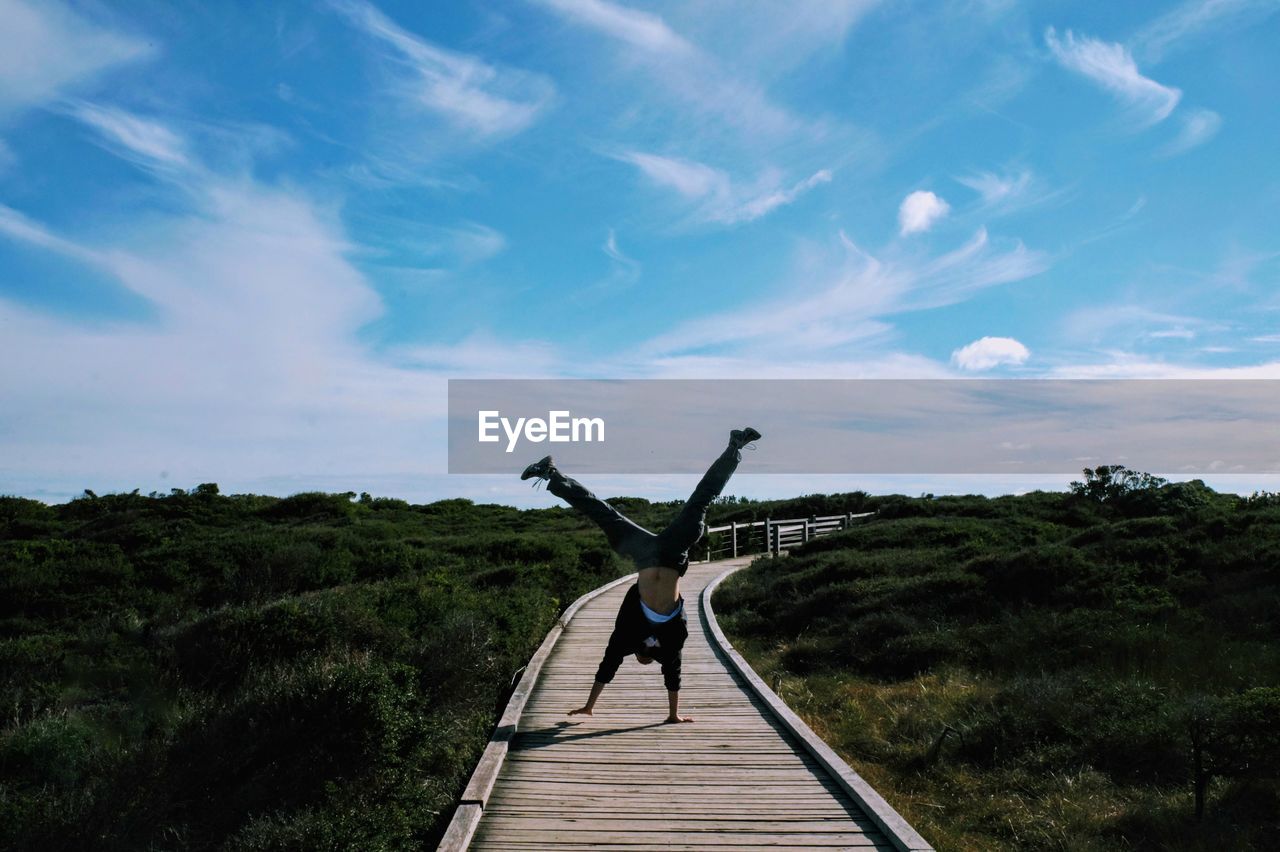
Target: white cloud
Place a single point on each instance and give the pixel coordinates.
(919, 211)
(469, 93)
(640, 29)
(720, 199)
(987, 352)
(1198, 127)
(142, 140)
(47, 49)
(1196, 17)
(1111, 66)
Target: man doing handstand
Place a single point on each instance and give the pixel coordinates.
(651, 622)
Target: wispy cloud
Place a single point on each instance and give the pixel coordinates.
(920, 211)
(46, 49)
(624, 272)
(1194, 18)
(1112, 66)
(997, 189)
(1121, 364)
(719, 199)
(639, 29)
(988, 352)
(141, 140)
(776, 36)
(17, 226)
(470, 243)
(974, 266)
(610, 248)
(686, 72)
(1127, 324)
(690, 179)
(252, 368)
(1198, 127)
(482, 354)
(464, 90)
(760, 205)
(855, 292)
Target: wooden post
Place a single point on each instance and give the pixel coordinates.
(768, 536)
(733, 538)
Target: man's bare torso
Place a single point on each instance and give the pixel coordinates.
(659, 588)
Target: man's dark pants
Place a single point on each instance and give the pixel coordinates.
(669, 547)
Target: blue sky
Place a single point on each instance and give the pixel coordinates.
(249, 242)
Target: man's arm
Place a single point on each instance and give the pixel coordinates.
(613, 654)
(586, 710)
(673, 703)
(671, 676)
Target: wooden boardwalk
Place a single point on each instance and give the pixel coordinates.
(733, 779)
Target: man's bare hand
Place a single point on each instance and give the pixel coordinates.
(673, 720)
(585, 711)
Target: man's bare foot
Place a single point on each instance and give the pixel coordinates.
(585, 711)
(673, 720)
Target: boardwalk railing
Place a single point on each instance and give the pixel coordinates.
(769, 536)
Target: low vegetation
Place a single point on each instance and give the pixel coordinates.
(198, 671)
(1068, 671)
(1088, 670)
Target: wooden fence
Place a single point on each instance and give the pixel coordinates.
(768, 536)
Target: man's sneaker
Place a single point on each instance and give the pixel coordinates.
(739, 438)
(543, 468)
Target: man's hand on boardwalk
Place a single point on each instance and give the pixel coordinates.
(673, 720)
(585, 709)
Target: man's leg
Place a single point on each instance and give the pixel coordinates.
(626, 537)
(686, 529)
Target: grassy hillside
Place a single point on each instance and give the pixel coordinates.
(1050, 671)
